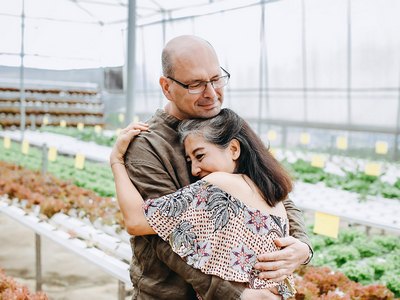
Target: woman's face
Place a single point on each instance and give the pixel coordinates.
(206, 158)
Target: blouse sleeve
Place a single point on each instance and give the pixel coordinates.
(173, 216)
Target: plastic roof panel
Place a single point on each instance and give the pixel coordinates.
(55, 10)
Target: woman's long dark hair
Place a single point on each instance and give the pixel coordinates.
(255, 160)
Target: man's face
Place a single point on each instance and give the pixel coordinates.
(198, 67)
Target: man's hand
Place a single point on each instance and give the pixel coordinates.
(276, 266)
(260, 294)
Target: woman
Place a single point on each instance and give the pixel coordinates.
(220, 223)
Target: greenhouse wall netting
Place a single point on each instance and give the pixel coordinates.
(318, 80)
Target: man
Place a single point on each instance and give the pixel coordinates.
(193, 83)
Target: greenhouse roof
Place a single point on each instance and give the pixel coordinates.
(64, 34)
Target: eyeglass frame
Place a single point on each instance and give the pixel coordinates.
(186, 86)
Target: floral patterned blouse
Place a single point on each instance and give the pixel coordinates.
(217, 233)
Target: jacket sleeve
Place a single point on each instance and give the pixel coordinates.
(297, 226)
(153, 180)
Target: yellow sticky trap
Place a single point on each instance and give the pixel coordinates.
(271, 135)
(135, 119)
(381, 147)
(318, 161)
(63, 123)
(121, 117)
(52, 154)
(97, 129)
(272, 151)
(25, 147)
(117, 131)
(305, 138)
(80, 126)
(341, 142)
(7, 142)
(326, 224)
(373, 169)
(45, 120)
(79, 161)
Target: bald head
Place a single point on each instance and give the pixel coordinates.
(183, 49)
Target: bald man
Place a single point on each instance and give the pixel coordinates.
(193, 82)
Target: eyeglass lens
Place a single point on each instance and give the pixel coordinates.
(200, 87)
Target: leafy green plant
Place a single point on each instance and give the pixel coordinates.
(54, 195)
(392, 282)
(365, 259)
(358, 271)
(95, 176)
(355, 181)
(87, 134)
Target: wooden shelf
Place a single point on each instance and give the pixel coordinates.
(72, 105)
(50, 91)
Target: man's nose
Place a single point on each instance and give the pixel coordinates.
(210, 91)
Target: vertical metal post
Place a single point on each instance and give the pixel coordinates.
(263, 76)
(164, 33)
(130, 62)
(21, 76)
(144, 74)
(38, 252)
(44, 159)
(304, 59)
(121, 290)
(368, 230)
(38, 248)
(284, 137)
(397, 131)
(349, 75)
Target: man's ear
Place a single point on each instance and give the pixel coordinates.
(164, 83)
(234, 147)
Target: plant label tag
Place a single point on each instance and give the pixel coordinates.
(341, 142)
(45, 120)
(305, 138)
(79, 161)
(97, 129)
(318, 161)
(121, 117)
(272, 151)
(271, 135)
(381, 147)
(63, 123)
(52, 154)
(25, 147)
(373, 169)
(80, 126)
(135, 119)
(326, 224)
(7, 142)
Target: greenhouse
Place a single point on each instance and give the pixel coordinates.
(317, 80)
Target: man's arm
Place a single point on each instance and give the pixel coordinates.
(297, 227)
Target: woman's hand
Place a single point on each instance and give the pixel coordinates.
(123, 140)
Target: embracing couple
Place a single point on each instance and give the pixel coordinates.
(204, 200)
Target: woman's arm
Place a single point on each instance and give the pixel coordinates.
(129, 199)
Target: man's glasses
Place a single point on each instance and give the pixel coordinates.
(199, 87)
